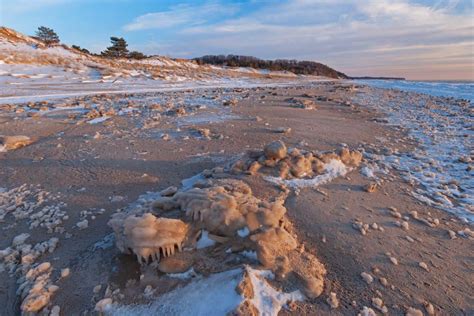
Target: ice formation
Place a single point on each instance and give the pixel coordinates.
(149, 237)
(13, 142)
(295, 168)
(217, 209)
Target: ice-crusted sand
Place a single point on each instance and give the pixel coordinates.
(86, 172)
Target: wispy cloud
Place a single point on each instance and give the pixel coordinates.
(181, 14)
(378, 37)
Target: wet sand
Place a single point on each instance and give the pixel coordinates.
(109, 164)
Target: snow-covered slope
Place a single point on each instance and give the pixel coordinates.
(28, 67)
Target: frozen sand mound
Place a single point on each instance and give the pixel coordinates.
(219, 210)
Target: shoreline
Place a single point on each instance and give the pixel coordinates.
(131, 156)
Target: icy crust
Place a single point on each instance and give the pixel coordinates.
(441, 167)
(217, 214)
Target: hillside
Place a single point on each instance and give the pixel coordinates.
(294, 66)
(27, 64)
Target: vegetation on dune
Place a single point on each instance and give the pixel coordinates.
(47, 35)
(297, 67)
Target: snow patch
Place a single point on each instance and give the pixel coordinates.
(268, 300)
(333, 169)
(210, 296)
(205, 241)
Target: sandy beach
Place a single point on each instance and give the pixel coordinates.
(383, 251)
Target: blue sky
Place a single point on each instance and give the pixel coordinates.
(418, 39)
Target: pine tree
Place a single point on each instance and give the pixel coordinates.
(47, 35)
(118, 48)
(136, 55)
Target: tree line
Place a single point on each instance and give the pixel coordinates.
(117, 49)
(295, 66)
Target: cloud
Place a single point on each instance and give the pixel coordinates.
(360, 37)
(181, 14)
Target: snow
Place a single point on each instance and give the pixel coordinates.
(99, 119)
(212, 296)
(439, 167)
(205, 241)
(185, 275)
(189, 182)
(244, 232)
(333, 169)
(267, 299)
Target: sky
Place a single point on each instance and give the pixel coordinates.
(416, 39)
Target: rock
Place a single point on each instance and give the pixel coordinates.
(20, 239)
(367, 277)
(97, 289)
(413, 312)
(231, 102)
(175, 264)
(65, 272)
(332, 300)
(103, 304)
(371, 187)
(429, 308)
(169, 191)
(55, 311)
(423, 266)
(313, 287)
(367, 311)
(282, 130)
(82, 224)
(275, 150)
(204, 132)
(378, 304)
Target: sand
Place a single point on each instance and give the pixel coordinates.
(92, 170)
